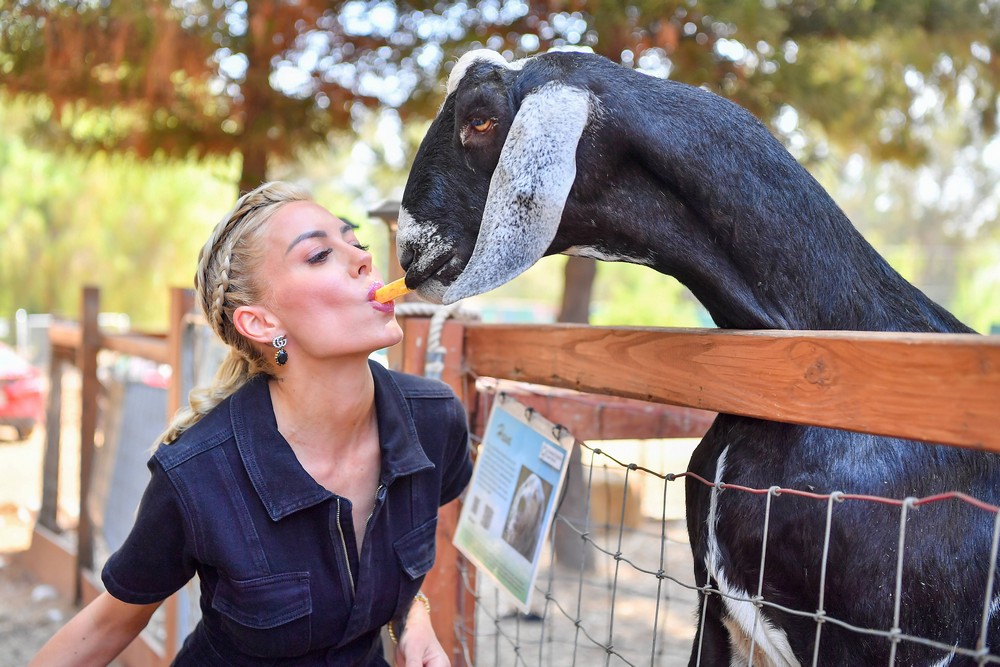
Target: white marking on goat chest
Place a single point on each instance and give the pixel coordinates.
(595, 253)
(945, 661)
(771, 645)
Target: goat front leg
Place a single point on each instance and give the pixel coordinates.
(711, 641)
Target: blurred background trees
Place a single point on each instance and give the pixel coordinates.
(129, 127)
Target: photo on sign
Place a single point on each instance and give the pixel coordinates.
(525, 513)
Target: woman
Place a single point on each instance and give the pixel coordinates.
(302, 487)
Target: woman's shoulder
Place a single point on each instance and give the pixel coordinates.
(211, 431)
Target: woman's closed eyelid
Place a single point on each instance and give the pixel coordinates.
(318, 257)
(322, 255)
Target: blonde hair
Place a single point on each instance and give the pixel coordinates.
(227, 278)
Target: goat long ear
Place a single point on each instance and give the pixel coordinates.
(528, 190)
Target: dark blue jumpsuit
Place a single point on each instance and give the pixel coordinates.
(281, 579)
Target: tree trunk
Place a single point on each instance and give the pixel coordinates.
(577, 289)
(257, 93)
(254, 171)
(571, 550)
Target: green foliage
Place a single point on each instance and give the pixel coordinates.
(938, 224)
(129, 226)
(127, 126)
(630, 295)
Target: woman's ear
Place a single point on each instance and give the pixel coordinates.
(255, 323)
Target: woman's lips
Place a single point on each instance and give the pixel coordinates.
(381, 307)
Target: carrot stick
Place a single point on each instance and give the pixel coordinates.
(393, 290)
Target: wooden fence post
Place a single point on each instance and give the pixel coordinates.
(453, 611)
(181, 303)
(90, 343)
(48, 512)
(388, 212)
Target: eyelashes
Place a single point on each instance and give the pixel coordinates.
(322, 255)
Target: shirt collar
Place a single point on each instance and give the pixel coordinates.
(281, 482)
(402, 453)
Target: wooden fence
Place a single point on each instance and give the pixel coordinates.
(64, 559)
(930, 387)
(650, 382)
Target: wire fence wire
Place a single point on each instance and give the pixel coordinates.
(610, 608)
(627, 596)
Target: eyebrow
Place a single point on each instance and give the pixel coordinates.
(318, 233)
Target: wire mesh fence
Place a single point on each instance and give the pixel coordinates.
(620, 596)
(620, 623)
(626, 594)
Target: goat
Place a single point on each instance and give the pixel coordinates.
(571, 153)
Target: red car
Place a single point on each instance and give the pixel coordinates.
(22, 395)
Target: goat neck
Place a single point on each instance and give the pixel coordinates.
(694, 186)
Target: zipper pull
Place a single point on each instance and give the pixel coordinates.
(379, 497)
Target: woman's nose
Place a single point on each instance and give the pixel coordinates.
(365, 262)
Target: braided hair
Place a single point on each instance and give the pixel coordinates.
(227, 278)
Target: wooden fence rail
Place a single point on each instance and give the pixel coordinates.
(939, 388)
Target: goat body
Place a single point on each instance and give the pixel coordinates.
(570, 153)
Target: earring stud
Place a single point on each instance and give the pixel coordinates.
(281, 356)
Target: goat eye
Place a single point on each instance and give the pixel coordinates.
(482, 125)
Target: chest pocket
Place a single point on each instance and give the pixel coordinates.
(416, 549)
(267, 617)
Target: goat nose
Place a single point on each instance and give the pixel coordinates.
(406, 257)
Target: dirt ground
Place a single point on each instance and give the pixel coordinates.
(30, 612)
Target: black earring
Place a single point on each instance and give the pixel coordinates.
(281, 356)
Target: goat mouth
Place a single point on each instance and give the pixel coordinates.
(441, 268)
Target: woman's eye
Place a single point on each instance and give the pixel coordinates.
(361, 246)
(320, 257)
(482, 125)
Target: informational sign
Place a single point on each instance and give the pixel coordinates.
(513, 496)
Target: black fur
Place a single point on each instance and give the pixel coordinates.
(699, 189)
